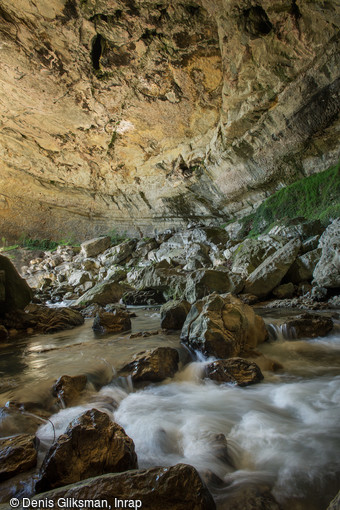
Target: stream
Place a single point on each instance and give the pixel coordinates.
(282, 434)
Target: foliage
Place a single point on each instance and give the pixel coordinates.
(42, 244)
(117, 237)
(314, 197)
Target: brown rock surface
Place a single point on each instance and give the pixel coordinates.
(68, 388)
(147, 114)
(17, 454)
(154, 365)
(235, 370)
(92, 445)
(168, 488)
(222, 326)
(107, 322)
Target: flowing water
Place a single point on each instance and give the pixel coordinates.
(282, 433)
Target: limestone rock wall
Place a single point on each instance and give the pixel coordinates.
(137, 114)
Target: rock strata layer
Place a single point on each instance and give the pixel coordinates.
(142, 114)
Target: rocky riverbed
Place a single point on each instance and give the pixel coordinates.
(198, 349)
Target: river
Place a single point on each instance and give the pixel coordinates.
(282, 434)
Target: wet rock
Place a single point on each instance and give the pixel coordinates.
(17, 455)
(177, 487)
(309, 325)
(92, 445)
(68, 388)
(222, 326)
(144, 334)
(284, 291)
(203, 282)
(235, 370)
(103, 293)
(335, 503)
(334, 302)
(153, 365)
(302, 268)
(15, 293)
(143, 297)
(112, 322)
(49, 320)
(119, 253)
(269, 274)
(174, 313)
(249, 254)
(327, 271)
(95, 246)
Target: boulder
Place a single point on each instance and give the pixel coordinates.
(309, 325)
(68, 388)
(50, 320)
(302, 268)
(284, 291)
(112, 322)
(177, 487)
(234, 370)
(17, 455)
(92, 445)
(78, 278)
(119, 253)
(269, 274)
(153, 365)
(160, 276)
(94, 247)
(327, 270)
(143, 297)
(249, 254)
(222, 326)
(174, 313)
(103, 293)
(203, 282)
(15, 293)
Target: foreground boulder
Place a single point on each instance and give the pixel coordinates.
(154, 365)
(95, 246)
(68, 388)
(167, 488)
(112, 322)
(309, 326)
(234, 370)
(14, 291)
(222, 326)
(174, 313)
(269, 274)
(17, 454)
(327, 270)
(206, 281)
(92, 445)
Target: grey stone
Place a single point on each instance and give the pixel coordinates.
(327, 271)
(269, 274)
(95, 246)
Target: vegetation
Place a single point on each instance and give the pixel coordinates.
(117, 237)
(314, 197)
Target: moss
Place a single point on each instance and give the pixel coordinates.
(314, 197)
